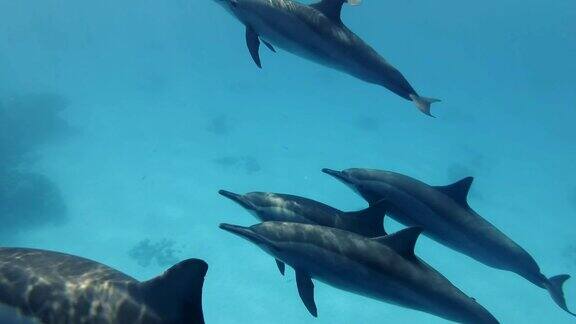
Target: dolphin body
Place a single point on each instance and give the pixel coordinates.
(445, 216)
(38, 286)
(317, 33)
(383, 268)
(267, 206)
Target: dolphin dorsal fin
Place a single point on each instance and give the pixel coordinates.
(458, 191)
(176, 295)
(370, 220)
(403, 242)
(333, 8)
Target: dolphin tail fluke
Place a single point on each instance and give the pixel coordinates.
(554, 287)
(423, 103)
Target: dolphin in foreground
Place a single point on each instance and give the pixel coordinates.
(267, 206)
(38, 286)
(317, 33)
(383, 268)
(445, 216)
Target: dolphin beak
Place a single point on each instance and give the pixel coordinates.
(337, 174)
(239, 199)
(235, 229)
(248, 234)
(243, 232)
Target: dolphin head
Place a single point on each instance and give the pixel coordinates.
(232, 6)
(257, 203)
(256, 234)
(227, 3)
(370, 184)
(242, 200)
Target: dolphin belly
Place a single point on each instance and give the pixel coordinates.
(304, 42)
(313, 37)
(292, 34)
(344, 273)
(409, 289)
(307, 33)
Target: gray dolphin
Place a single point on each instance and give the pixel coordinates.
(444, 214)
(267, 206)
(383, 268)
(38, 286)
(317, 33)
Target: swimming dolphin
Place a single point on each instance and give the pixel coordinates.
(267, 206)
(445, 216)
(38, 286)
(383, 268)
(317, 33)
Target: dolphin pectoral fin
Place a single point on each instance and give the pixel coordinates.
(253, 43)
(306, 291)
(281, 266)
(270, 47)
(333, 8)
(403, 242)
(458, 191)
(423, 103)
(554, 287)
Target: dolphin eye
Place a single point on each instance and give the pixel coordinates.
(234, 3)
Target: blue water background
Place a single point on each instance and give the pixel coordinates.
(169, 108)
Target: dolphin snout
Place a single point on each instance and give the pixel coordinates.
(239, 199)
(251, 235)
(244, 232)
(234, 229)
(337, 174)
(229, 194)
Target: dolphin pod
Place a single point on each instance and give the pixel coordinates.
(338, 248)
(38, 286)
(316, 32)
(267, 206)
(323, 243)
(350, 251)
(445, 216)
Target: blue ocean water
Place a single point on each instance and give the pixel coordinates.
(161, 106)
